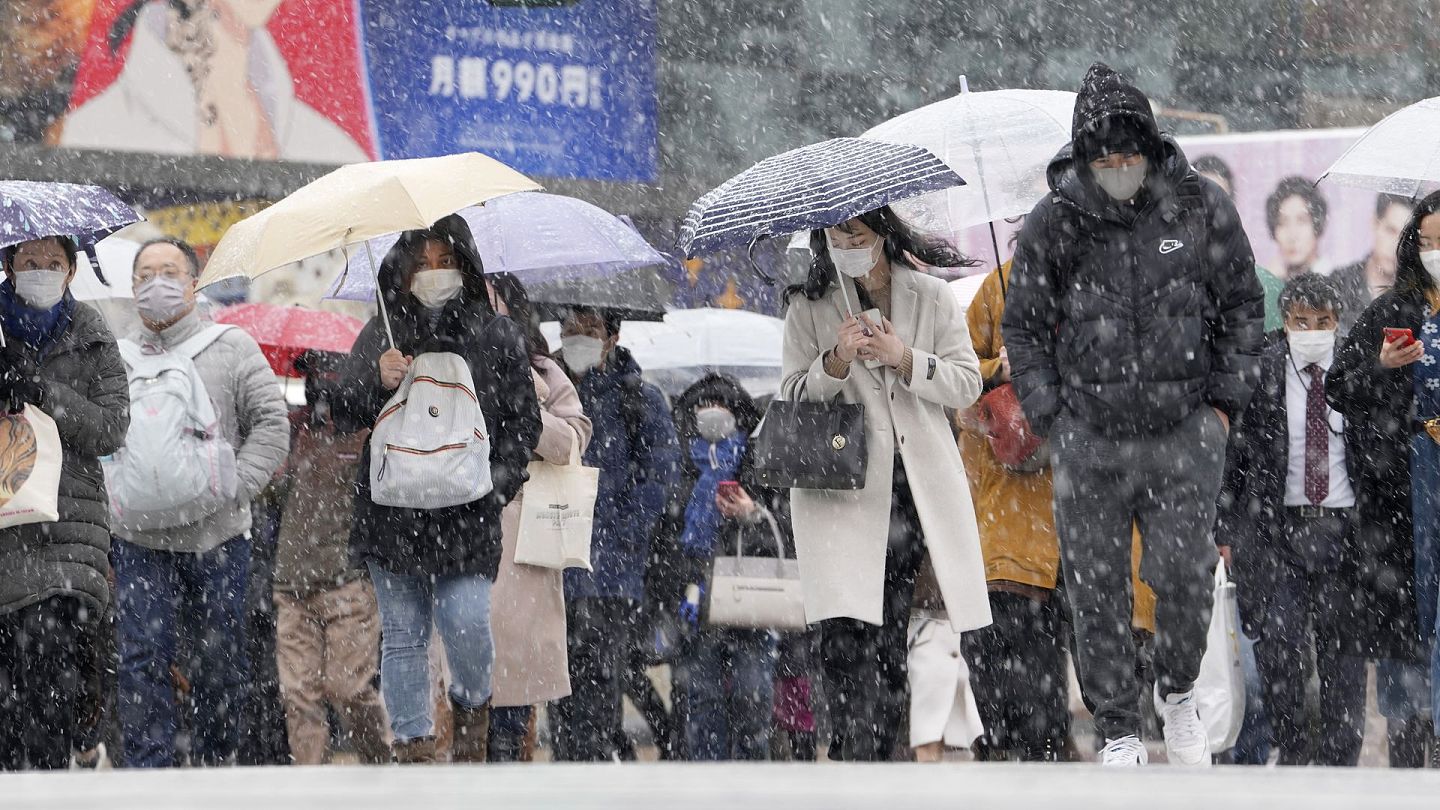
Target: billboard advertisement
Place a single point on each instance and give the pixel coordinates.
(555, 88)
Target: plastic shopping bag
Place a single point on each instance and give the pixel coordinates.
(1220, 689)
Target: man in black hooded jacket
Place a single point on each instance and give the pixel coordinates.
(1133, 328)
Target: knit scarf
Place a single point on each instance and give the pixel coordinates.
(716, 463)
(37, 328)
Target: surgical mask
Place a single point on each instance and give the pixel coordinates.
(715, 423)
(1123, 183)
(856, 262)
(1431, 260)
(435, 288)
(41, 289)
(582, 352)
(1311, 346)
(161, 300)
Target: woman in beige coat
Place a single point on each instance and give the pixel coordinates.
(859, 550)
(527, 604)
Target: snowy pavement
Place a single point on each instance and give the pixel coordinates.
(735, 787)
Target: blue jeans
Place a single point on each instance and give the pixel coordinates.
(729, 678)
(163, 598)
(459, 606)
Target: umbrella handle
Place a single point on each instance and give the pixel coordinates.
(380, 295)
(754, 265)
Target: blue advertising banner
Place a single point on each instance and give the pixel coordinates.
(554, 88)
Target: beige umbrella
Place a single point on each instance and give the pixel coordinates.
(359, 202)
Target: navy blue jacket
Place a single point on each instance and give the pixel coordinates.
(635, 481)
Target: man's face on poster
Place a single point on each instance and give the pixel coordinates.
(1295, 233)
(1388, 227)
(249, 13)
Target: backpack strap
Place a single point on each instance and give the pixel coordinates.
(632, 411)
(192, 346)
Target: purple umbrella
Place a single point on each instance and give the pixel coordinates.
(31, 210)
(544, 239)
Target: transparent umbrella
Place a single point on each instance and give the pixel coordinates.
(1000, 141)
(1400, 155)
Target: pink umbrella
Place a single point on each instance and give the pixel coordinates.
(284, 333)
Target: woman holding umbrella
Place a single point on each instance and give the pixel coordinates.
(60, 358)
(860, 550)
(438, 565)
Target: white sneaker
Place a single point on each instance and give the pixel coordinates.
(1127, 751)
(1186, 741)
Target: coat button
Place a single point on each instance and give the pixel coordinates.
(902, 439)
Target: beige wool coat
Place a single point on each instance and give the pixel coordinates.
(840, 536)
(527, 604)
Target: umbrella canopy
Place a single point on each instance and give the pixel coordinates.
(689, 343)
(966, 288)
(815, 186)
(30, 210)
(359, 202)
(1400, 155)
(538, 237)
(117, 260)
(284, 333)
(1000, 141)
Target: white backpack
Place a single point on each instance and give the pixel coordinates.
(430, 448)
(176, 467)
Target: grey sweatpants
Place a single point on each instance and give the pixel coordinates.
(1166, 485)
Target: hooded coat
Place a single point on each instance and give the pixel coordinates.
(86, 393)
(1382, 617)
(463, 539)
(679, 569)
(1130, 316)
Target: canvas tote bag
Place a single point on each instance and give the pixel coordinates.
(30, 461)
(557, 514)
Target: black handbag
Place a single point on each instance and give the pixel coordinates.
(811, 445)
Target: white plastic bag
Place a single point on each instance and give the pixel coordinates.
(30, 461)
(557, 514)
(1220, 689)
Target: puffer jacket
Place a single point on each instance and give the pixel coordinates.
(87, 395)
(464, 539)
(1130, 316)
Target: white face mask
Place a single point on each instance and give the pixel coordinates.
(582, 353)
(1123, 183)
(40, 289)
(161, 300)
(1431, 260)
(1310, 346)
(434, 288)
(715, 424)
(856, 262)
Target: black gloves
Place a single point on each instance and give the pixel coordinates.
(19, 378)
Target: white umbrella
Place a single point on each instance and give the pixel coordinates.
(965, 289)
(690, 343)
(117, 258)
(1000, 141)
(1400, 155)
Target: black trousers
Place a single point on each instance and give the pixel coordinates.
(865, 666)
(585, 726)
(1300, 609)
(1017, 671)
(45, 652)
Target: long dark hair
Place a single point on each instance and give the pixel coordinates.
(509, 289)
(901, 242)
(1410, 275)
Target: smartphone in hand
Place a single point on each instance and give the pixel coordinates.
(729, 490)
(1404, 336)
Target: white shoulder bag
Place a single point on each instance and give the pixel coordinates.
(757, 592)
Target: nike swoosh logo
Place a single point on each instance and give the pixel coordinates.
(1170, 246)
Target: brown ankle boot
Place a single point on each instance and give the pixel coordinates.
(419, 751)
(472, 733)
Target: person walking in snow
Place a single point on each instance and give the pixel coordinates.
(1133, 329)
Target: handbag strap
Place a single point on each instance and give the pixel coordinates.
(780, 549)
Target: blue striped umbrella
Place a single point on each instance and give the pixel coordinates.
(816, 186)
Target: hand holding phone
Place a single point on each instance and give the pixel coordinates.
(729, 490)
(1400, 348)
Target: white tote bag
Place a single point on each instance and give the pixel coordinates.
(1220, 689)
(557, 514)
(30, 461)
(757, 592)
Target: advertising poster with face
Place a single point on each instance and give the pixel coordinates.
(260, 79)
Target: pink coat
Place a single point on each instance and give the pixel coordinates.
(527, 611)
